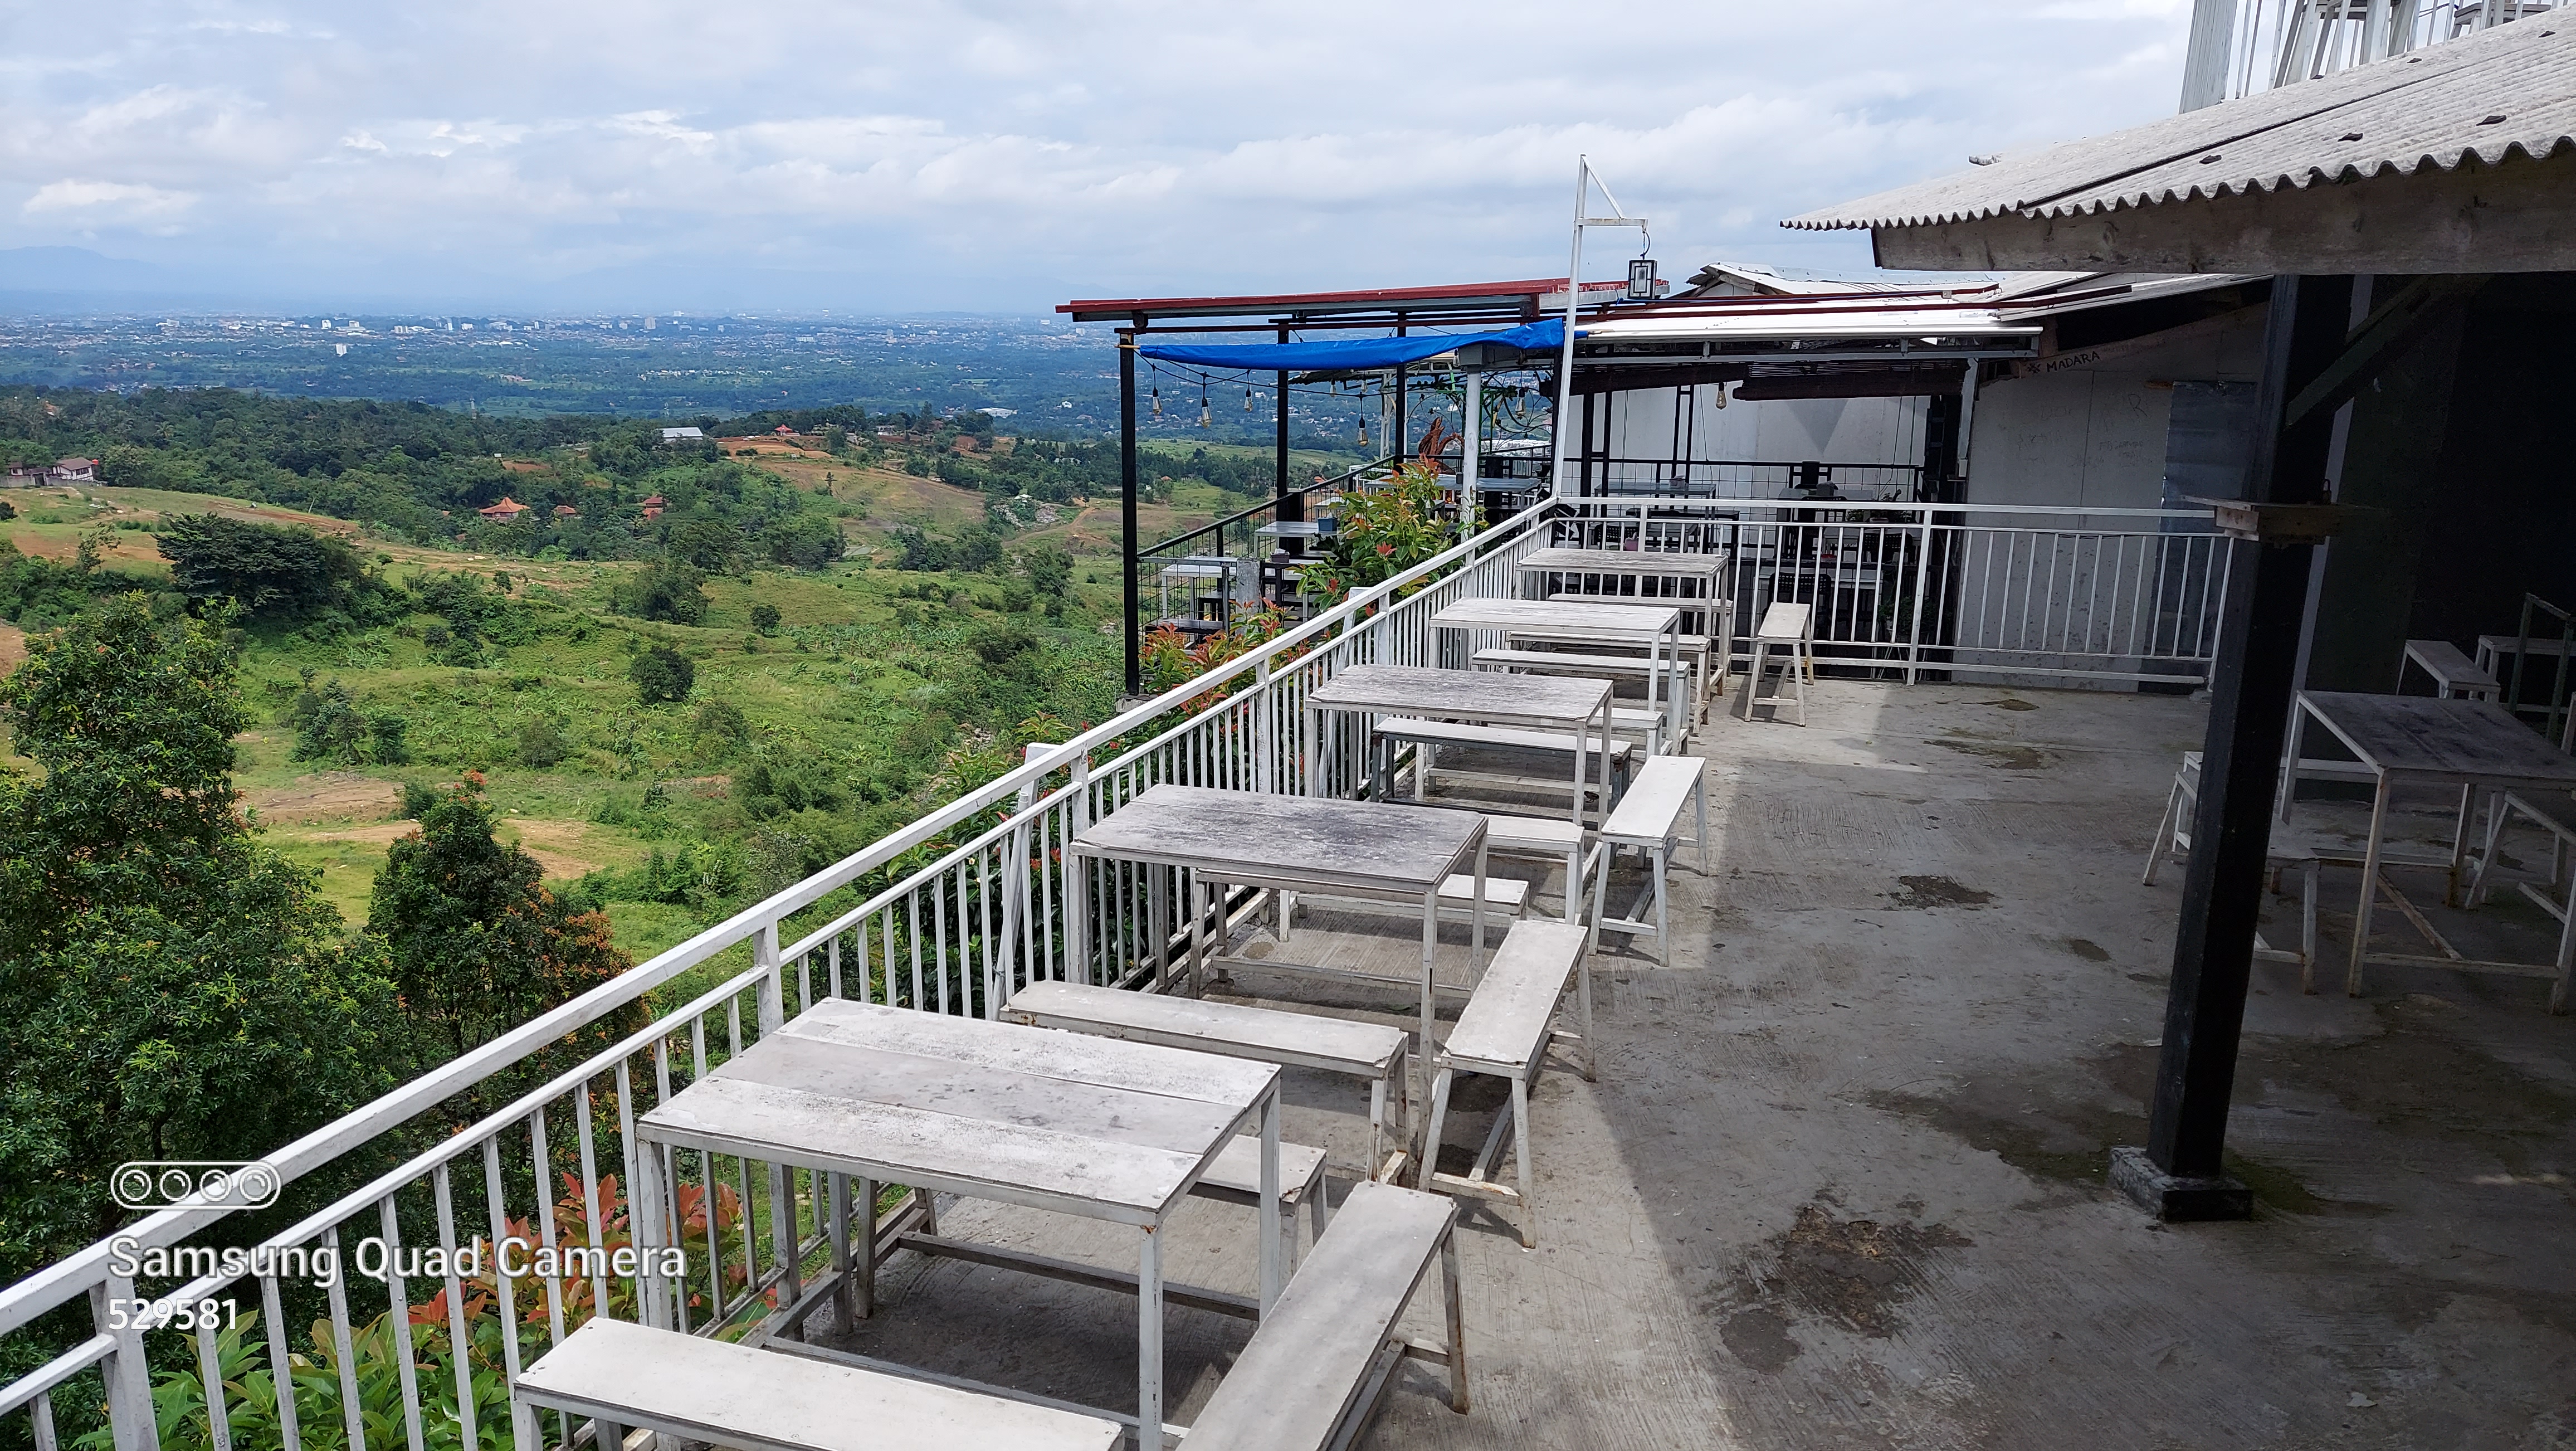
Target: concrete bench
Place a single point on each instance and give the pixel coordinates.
(1504, 1032)
(1428, 736)
(1312, 1375)
(1373, 1052)
(1788, 628)
(698, 1389)
(1648, 819)
(2454, 676)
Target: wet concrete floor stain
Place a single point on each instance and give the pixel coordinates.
(2010, 704)
(1924, 893)
(2001, 757)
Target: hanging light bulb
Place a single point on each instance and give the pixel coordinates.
(1363, 432)
(1247, 400)
(1158, 400)
(1203, 406)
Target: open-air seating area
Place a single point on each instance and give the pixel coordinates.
(1858, 1012)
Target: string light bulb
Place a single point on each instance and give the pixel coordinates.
(1204, 418)
(1158, 400)
(1247, 400)
(1363, 433)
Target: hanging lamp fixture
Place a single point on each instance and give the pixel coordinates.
(1158, 400)
(1247, 400)
(1203, 406)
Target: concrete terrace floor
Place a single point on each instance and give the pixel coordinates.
(1841, 1181)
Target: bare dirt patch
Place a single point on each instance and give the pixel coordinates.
(13, 648)
(329, 796)
(562, 847)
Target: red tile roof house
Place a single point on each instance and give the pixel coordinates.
(506, 512)
(566, 511)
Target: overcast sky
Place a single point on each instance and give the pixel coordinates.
(1003, 157)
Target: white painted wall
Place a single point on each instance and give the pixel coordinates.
(2095, 436)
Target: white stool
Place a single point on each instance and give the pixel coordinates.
(1787, 626)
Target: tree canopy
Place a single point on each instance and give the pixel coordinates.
(168, 987)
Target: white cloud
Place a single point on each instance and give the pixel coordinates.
(942, 153)
(92, 202)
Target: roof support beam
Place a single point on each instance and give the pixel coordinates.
(2382, 336)
(2180, 1174)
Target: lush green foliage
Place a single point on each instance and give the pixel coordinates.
(330, 727)
(477, 943)
(1385, 529)
(168, 988)
(258, 566)
(662, 676)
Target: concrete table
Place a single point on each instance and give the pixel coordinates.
(1654, 628)
(1364, 849)
(2475, 745)
(1095, 1127)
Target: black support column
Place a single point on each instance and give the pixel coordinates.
(2180, 1173)
(1127, 506)
(1284, 510)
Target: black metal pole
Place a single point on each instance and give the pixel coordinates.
(2180, 1174)
(1127, 506)
(1280, 489)
(1403, 423)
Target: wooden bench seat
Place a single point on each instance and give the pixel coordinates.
(1312, 1375)
(1648, 820)
(1235, 1178)
(2453, 674)
(1553, 837)
(699, 1389)
(1556, 662)
(1788, 627)
(1556, 749)
(1504, 1032)
(1375, 1052)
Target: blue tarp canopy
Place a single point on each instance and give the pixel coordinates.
(1354, 353)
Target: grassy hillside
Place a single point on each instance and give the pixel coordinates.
(877, 694)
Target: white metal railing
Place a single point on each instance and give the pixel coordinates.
(956, 911)
(2125, 595)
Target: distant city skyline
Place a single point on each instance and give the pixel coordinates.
(781, 154)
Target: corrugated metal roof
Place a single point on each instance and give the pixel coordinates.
(2503, 91)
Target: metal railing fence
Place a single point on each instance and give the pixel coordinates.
(962, 907)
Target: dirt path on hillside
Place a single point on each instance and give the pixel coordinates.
(328, 796)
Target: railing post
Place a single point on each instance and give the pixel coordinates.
(1265, 729)
(128, 1375)
(764, 955)
(1914, 631)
